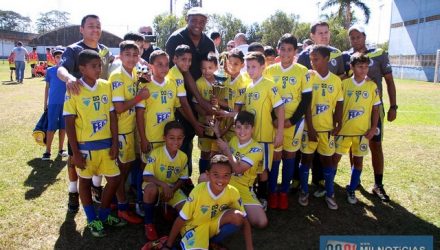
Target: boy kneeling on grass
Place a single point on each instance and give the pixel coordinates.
(92, 130)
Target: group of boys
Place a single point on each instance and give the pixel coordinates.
(266, 116)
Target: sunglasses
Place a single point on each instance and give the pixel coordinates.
(219, 159)
(230, 46)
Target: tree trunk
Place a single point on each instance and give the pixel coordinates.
(348, 16)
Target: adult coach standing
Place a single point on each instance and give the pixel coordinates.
(379, 67)
(21, 55)
(200, 44)
(70, 74)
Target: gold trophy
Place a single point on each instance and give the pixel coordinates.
(218, 91)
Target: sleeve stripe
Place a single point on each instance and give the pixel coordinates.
(147, 173)
(279, 103)
(183, 216)
(377, 103)
(248, 161)
(307, 90)
(118, 99)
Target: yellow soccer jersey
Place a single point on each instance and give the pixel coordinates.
(250, 153)
(205, 89)
(236, 89)
(260, 99)
(175, 76)
(92, 109)
(165, 168)
(327, 91)
(202, 205)
(359, 99)
(124, 88)
(291, 82)
(159, 108)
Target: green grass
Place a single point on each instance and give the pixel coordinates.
(33, 194)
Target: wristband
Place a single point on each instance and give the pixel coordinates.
(138, 98)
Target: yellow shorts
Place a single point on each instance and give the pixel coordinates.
(178, 197)
(126, 148)
(198, 237)
(267, 155)
(292, 138)
(325, 144)
(207, 144)
(358, 145)
(98, 162)
(247, 195)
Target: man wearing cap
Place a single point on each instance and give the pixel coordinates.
(379, 67)
(148, 47)
(200, 44)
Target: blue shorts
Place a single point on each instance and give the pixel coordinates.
(55, 119)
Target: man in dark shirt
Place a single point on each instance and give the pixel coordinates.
(149, 47)
(200, 44)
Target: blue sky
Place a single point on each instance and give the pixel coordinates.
(119, 19)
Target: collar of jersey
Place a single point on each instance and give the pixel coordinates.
(207, 82)
(236, 79)
(323, 78)
(288, 68)
(131, 76)
(215, 197)
(87, 86)
(245, 144)
(168, 153)
(160, 84)
(357, 83)
(257, 81)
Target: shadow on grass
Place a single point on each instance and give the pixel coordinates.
(10, 83)
(43, 174)
(297, 228)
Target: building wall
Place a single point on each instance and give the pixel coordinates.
(414, 38)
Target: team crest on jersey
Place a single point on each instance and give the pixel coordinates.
(315, 86)
(254, 96)
(292, 80)
(116, 84)
(255, 150)
(204, 209)
(331, 143)
(365, 94)
(155, 95)
(179, 82)
(242, 91)
(295, 142)
(330, 88)
(104, 99)
(307, 76)
(162, 116)
(363, 147)
(320, 108)
(170, 94)
(350, 93)
(162, 167)
(333, 62)
(276, 78)
(354, 113)
(98, 125)
(371, 63)
(86, 101)
(274, 90)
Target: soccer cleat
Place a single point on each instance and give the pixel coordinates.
(157, 244)
(331, 202)
(96, 228)
(283, 201)
(303, 199)
(63, 153)
(351, 196)
(273, 200)
(139, 210)
(263, 203)
(129, 217)
(96, 194)
(46, 156)
(150, 232)
(294, 187)
(380, 192)
(73, 204)
(320, 192)
(113, 221)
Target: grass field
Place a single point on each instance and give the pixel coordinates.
(33, 194)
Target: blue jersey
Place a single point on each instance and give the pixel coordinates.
(57, 88)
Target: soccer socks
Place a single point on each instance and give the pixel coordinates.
(225, 231)
(287, 174)
(378, 179)
(104, 213)
(149, 213)
(355, 178)
(203, 165)
(73, 187)
(97, 180)
(90, 213)
(123, 206)
(329, 177)
(304, 176)
(273, 176)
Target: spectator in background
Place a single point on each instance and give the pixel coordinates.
(149, 39)
(217, 39)
(33, 59)
(230, 45)
(306, 43)
(21, 54)
(270, 54)
(241, 43)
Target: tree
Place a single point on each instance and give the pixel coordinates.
(301, 31)
(345, 9)
(227, 25)
(277, 25)
(51, 20)
(254, 33)
(339, 35)
(165, 25)
(13, 21)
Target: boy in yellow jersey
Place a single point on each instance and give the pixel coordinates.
(182, 62)
(92, 129)
(164, 174)
(261, 99)
(246, 158)
(11, 61)
(204, 84)
(125, 96)
(212, 212)
(292, 80)
(360, 118)
(323, 121)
